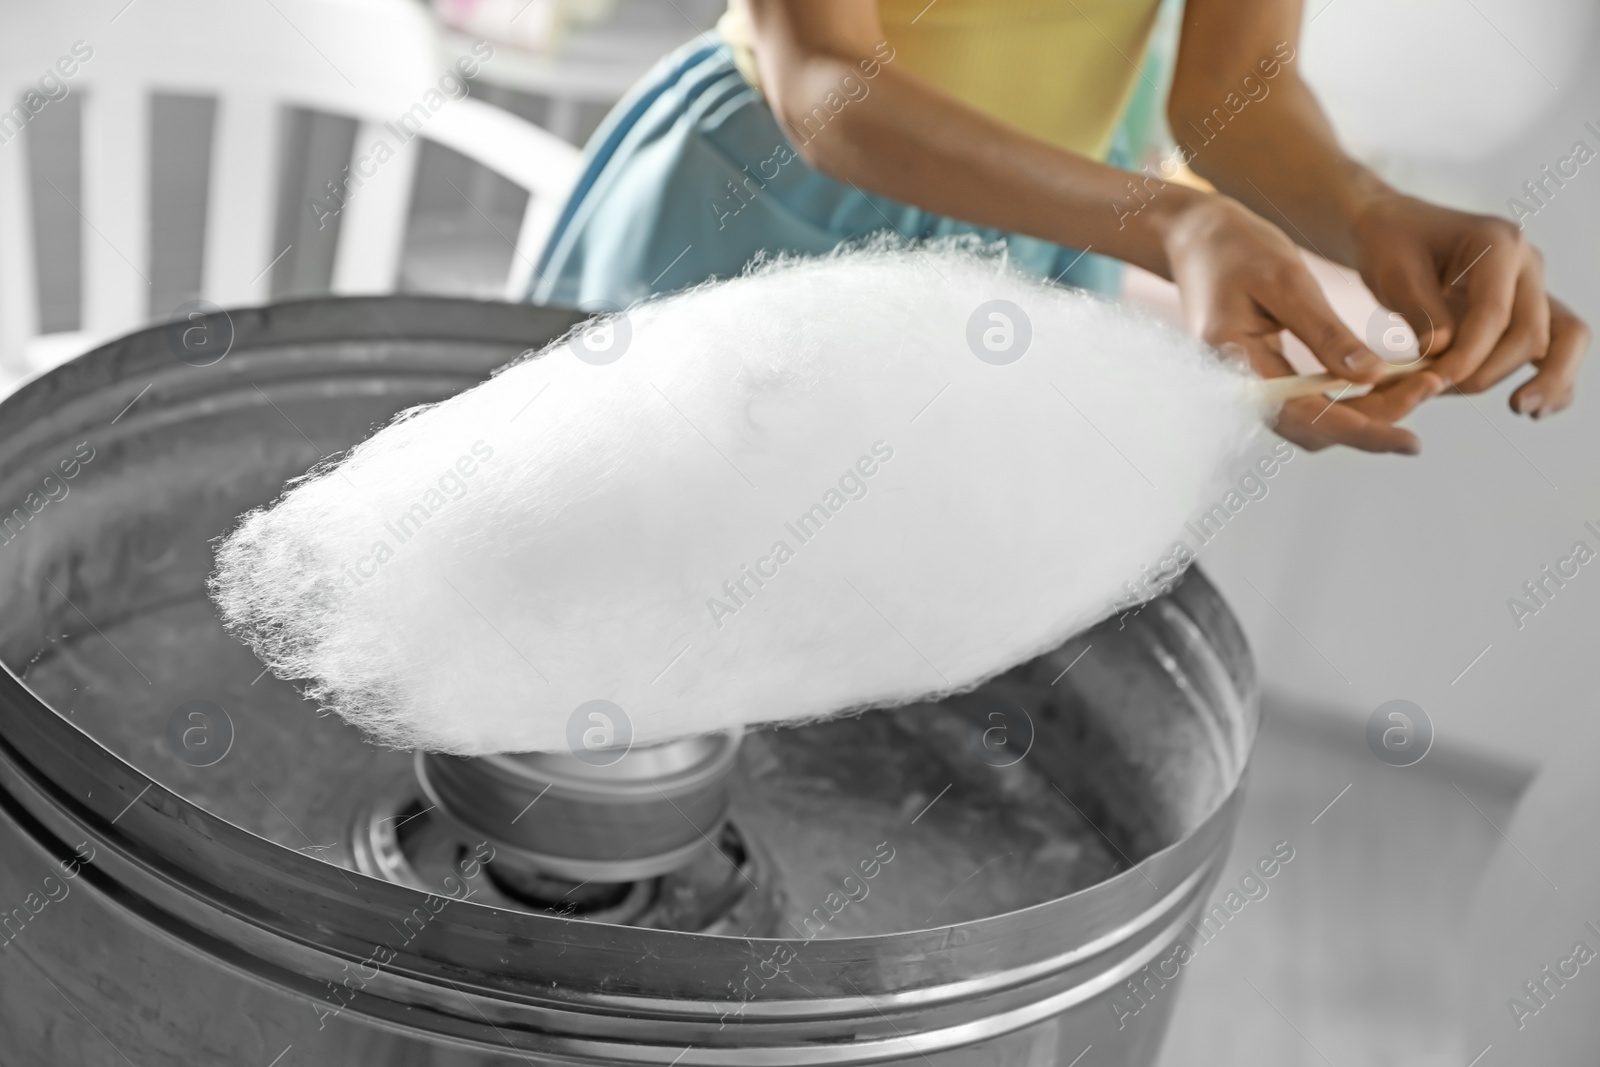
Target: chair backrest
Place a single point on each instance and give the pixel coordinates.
(373, 60)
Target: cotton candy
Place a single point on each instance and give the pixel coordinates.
(828, 485)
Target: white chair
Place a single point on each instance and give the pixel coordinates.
(372, 60)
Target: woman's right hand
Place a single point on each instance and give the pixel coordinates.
(1242, 283)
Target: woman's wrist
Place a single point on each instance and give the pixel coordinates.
(1190, 218)
(1154, 233)
(1360, 189)
(1354, 199)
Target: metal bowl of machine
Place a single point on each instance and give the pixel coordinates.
(197, 867)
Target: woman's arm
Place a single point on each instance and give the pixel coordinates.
(1241, 279)
(1280, 152)
(1470, 286)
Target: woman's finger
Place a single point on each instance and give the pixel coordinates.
(1302, 309)
(1490, 287)
(1394, 400)
(1526, 338)
(1315, 423)
(1410, 286)
(1550, 389)
(1263, 353)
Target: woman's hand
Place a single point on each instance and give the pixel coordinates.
(1242, 283)
(1473, 291)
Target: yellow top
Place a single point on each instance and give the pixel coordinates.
(1061, 70)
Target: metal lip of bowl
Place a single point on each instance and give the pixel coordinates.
(543, 983)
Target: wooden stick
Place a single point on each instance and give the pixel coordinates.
(1278, 390)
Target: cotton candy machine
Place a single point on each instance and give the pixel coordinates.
(196, 867)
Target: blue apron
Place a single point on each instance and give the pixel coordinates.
(689, 178)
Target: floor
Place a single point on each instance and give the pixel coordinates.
(1354, 956)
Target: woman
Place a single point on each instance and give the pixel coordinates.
(807, 123)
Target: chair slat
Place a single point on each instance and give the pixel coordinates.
(116, 211)
(241, 201)
(19, 298)
(373, 60)
(535, 159)
(372, 226)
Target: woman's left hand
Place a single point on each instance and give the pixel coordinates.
(1472, 288)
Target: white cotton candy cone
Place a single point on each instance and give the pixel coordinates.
(795, 493)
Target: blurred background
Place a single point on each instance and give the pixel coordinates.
(160, 172)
